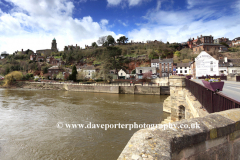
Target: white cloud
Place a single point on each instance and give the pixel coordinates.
(114, 2)
(130, 2)
(33, 25)
(179, 26)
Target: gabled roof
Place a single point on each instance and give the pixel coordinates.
(166, 60)
(182, 65)
(229, 63)
(155, 61)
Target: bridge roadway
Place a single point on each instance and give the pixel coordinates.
(230, 89)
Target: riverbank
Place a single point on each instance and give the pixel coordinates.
(116, 89)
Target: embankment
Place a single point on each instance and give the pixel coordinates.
(137, 89)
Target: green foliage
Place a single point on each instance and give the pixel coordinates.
(122, 40)
(233, 49)
(9, 78)
(110, 40)
(94, 45)
(60, 76)
(225, 44)
(74, 74)
(177, 53)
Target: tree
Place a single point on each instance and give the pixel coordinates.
(110, 40)
(177, 53)
(74, 73)
(122, 40)
(94, 45)
(9, 78)
(81, 75)
(60, 76)
(102, 40)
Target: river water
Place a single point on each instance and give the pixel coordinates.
(31, 121)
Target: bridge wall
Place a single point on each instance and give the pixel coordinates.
(217, 137)
(181, 104)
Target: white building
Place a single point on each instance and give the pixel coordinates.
(206, 65)
(89, 71)
(122, 74)
(141, 70)
(155, 63)
(229, 66)
(183, 68)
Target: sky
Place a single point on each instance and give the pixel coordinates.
(32, 24)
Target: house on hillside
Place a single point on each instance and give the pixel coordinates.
(204, 64)
(229, 66)
(141, 70)
(183, 68)
(50, 59)
(123, 75)
(89, 71)
(166, 67)
(206, 43)
(236, 41)
(155, 63)
(40, 59)
(54, 71)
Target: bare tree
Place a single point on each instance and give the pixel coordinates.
(102, 40)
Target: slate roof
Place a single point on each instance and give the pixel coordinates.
(166, 60)
(155, 61)
(229, 63)
(183, 65)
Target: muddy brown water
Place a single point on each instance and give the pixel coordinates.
(31, 121)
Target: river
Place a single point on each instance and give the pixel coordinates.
(33, 123)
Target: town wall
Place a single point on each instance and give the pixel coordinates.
(216, 136)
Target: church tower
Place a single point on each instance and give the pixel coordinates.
(54, 45)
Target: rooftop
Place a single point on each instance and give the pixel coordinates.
(182, 65)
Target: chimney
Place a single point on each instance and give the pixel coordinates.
(225, 59)
(76, 45)
(193, 39)
(201, 36)
(22, 50)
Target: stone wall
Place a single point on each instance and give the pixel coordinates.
(137, 89)
(181, 104)
(217, 137)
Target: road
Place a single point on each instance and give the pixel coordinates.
(230, 89)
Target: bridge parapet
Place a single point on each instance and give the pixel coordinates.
(181, 104)
(217, 137)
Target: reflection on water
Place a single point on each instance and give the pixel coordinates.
(28, 121)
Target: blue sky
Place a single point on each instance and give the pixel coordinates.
(32, 24)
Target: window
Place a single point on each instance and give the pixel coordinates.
(180, 67)
(185, 67)
(211, 62)
(185, 71)
(176, 71)
(140, 71)
(211, 69)
(180, 71)
(121, 74)
(89, 73)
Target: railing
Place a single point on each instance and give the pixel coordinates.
(238, 78)
(211, 101)
(221, 77)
